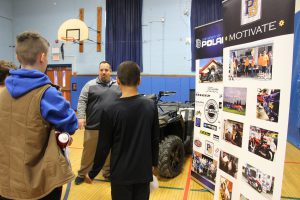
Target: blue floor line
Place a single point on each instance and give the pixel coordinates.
(67, 191)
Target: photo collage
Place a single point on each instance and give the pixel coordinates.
(253, 63)
(207, 123)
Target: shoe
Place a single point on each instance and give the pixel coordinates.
(106, 176)
(78, 180)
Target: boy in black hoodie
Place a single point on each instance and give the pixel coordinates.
(130, 129)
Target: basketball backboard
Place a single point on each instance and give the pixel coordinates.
(73, 30)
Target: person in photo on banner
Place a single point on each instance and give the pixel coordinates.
(247, 66)
(264, 64)
(253, 67)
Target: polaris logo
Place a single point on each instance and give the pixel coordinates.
(211, 111)
(210, 126)
(209, 42)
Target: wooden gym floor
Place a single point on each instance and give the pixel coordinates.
(179, 188)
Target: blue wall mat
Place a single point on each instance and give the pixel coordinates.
(185, 94)
(149, 85)
(192, 83)
(294, 115)
(158, 84)
(145, 86)
(173, 84)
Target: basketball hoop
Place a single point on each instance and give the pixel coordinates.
(68, 39)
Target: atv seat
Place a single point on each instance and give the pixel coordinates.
(163, 119)
(151, 96)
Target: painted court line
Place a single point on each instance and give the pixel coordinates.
(188, 182)
(67, 191)
(291, 162)
(293, 198)
(170, 188)
(199, 190)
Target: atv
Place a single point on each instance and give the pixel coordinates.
(176, 134)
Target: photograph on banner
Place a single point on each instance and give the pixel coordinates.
(258, 181)
(210, 70)
(268, 104)
(233, 132)
(253, 63)
(263, 142)
(234, 100)
(225, 189)
(205, 167)
(228, 163)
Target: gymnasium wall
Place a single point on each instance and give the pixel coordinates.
(6, 30)
(150, 84)
(165, 25)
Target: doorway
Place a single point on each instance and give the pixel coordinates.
(60, 74)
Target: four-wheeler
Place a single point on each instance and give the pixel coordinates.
(212, 75)
(176, 134)
(253, 180)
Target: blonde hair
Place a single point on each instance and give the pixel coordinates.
(29, 46)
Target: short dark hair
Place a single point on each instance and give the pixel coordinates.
(29, 45)
(129, 73)
(105, 62)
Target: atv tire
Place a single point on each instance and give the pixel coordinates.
(171, 156)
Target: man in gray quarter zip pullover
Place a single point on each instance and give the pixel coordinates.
(94, 97)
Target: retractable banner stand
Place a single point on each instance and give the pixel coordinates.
(208, 103)
(258, 55)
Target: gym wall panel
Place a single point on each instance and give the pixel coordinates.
(192, 83)
(158, 84)
(173, 84)
(149, 85)
(185, 94)
(6, 24)
(145, 86)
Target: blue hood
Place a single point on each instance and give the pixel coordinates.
(21, 81)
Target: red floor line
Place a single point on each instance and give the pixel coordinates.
(290, 162)
(188, 182)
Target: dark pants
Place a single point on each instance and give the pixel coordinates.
(54, 195)
(140, 191)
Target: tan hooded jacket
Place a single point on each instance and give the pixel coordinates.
(31, 163)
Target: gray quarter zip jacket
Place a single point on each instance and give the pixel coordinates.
(94, 97)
